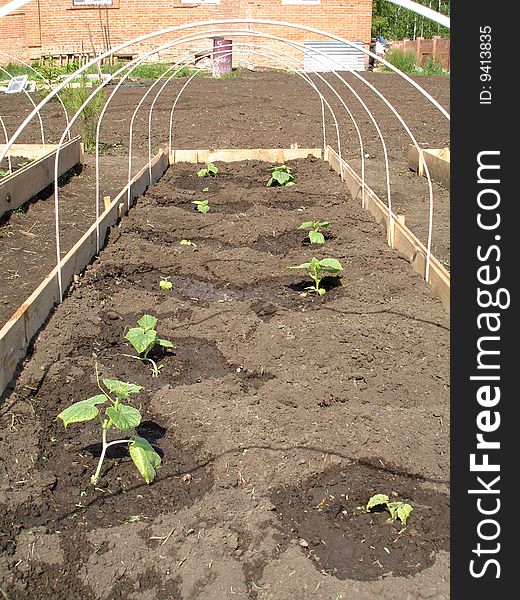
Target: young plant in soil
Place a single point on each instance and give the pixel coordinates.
(119, 415)
(318, 269)
(144, 339)
(210, 171)
(201, 205)
(281, 175)
(397, 510)
(315, 235)
(165, 283)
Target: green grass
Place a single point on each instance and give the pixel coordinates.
(144, 71)
(403, 60)
(73, 98)
(50, 71)
(15, 70)
(433, 66)
(406, 61)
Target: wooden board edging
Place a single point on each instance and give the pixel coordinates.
(18, 332)
(276, 155)
(438, 165)
(25, 183)
(405, 242)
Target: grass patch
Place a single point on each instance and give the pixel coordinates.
(406, 61)
(433, 66)
(73, 98)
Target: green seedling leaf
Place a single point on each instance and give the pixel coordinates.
(206, 189)
(282, 168)
(165, 343)
(85, 410)
(316, 269)
(118, 415)
(280, 178)
(142, 341)
(280, 175)
(377, 500)
(331, 265)
(210, 170)
(201, 205)
(145, 458)
(399, 510)
(165, 283)
(302, 266)
(124, 417)
(121, 389)
(147, 322)
(316, 237)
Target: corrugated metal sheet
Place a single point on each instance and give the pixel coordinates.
(348, 57)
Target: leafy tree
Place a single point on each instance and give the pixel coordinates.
(395, 22)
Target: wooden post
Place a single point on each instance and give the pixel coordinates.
(106, 202)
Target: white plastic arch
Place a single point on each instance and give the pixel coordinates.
(231, 33)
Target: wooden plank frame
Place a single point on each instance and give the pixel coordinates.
(404, 241)
(437, 161)
(275, 155)
(25, 183)
(18, 332)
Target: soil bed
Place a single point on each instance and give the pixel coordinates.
(272, 400)
(261, 110)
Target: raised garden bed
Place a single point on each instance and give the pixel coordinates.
(277, 415)
(437, 161)
(37, 172)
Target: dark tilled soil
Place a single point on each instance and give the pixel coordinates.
(270, 109)
(277, 414)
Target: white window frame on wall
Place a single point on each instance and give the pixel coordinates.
(301, 1)
(200, 1)
(81, 3)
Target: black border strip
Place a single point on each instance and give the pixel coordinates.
(485, 248)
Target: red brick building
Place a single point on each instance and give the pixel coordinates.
(70, 27)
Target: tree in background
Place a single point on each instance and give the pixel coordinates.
(395, 22)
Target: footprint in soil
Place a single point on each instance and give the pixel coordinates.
(323, 515)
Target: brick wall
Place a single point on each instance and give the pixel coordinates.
(45, 27)
(437, 47)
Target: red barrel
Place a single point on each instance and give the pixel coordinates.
(222, 57)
